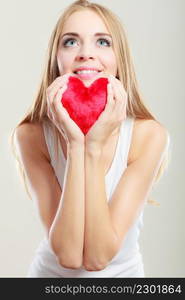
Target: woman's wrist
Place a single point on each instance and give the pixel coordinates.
(76, 148)
(93, 149)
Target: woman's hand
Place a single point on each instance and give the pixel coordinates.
(112, 116)
(59, 115)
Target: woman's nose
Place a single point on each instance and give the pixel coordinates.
(85, 54)
(84, 57)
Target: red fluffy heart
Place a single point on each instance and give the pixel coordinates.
(85, 104)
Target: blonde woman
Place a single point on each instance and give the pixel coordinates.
(91, 189)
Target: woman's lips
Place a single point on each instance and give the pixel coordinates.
(87, 76)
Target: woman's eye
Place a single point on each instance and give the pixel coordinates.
(104, 42)
(69, 42)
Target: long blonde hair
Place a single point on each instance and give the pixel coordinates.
(136, 107)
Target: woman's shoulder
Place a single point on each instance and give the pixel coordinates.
(143, 129)
(147, 126)
(32, 133)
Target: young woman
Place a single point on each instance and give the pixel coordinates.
(91, 191)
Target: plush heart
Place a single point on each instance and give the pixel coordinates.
(85, 104)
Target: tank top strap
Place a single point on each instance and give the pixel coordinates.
(120, 159)
(51, 143)
(58, 162)
(48, 134)
(125, 140)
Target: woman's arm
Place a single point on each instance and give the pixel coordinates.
(100, 238)
(63, 222)
(67, 231)
(106, 223)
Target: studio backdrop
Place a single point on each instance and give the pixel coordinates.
(155, 31)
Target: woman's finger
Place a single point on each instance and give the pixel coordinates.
(120, 94)
(59, 111)
(58, 103)
(59, 84)
(121, 99)
(52, 91)
(110, 97)
(115, 90)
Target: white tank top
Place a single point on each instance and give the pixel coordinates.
(128, 261)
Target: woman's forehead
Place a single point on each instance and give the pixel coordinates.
(85, 21)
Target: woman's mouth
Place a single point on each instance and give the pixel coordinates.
(86, 74)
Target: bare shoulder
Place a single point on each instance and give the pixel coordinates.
(145, 131)
(145, 128)
(31, 134)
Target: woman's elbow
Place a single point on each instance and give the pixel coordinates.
(69, 263)
(94, 267)
(99, 262)
(65, 258)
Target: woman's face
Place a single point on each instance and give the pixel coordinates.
(85, 43)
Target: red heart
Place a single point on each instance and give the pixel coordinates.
(85, 104)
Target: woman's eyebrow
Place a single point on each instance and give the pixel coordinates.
(76, 34)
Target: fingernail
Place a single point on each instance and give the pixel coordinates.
(109, 86)
(66, 76)
(110, 79)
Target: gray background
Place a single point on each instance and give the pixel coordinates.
(155, 30)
